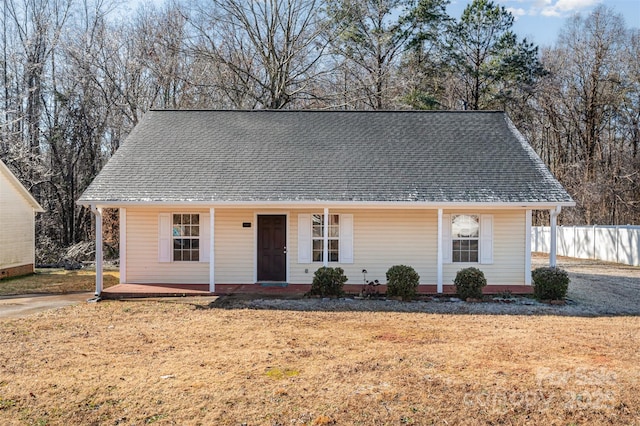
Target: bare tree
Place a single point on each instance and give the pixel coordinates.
(588, 117)
(268, 51)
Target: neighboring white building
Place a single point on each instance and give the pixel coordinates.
(17, 226)
(257, 197)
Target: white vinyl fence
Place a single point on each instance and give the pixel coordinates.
(620, 244)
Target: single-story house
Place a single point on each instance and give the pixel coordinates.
(17, 226)
(257, 197)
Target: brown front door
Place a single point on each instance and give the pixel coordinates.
(272, 250)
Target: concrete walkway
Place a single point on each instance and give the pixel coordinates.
(28, 304)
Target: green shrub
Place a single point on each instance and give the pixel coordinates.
(402, 281)
(550, 283)
(469, 283)
(328, 282)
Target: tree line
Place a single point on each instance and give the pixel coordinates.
(79, 74)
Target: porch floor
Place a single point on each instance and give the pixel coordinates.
(121, 291)
(125, 291)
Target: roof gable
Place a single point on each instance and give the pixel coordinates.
(11, 179)
(340, 156)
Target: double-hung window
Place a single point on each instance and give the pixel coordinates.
(317, 236)
(311, 238)
(186, 237)
(465, 232)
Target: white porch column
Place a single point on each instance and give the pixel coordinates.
(123, 245)
(527, 248)
(325, 232)
(212, 256)
(439, 257)
(554, 237)
(97, 211)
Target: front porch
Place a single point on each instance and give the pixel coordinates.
(127, 291)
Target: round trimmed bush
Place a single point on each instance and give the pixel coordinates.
(469, 283)
(328, 282)
(402, 281)
(550, 283)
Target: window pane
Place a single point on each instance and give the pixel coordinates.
(186, 255)
(195, 231)
(177, 244)
(334, 219)
(334, 250)
(186, 231)
(316, 219)
(176, 219)
(177, 255)
(456, 256)
(317, 231)
(195, 255)
(334, 231)
(195, 219)
(464, 256)
(195, 244)
(465, 226)
(473, 256)
(186, 219)
(317, 250)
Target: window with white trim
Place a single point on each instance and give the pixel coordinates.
(465, 235)
(186, 237)
(317, 237)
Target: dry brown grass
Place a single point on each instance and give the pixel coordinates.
(176, 363)
(54, 281)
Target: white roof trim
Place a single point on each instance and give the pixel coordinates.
(332, 204)
(25, 193)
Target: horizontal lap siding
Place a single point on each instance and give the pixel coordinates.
(508, 250)
(381, 239)
(234, 245)
(16, 227)
(142, 252)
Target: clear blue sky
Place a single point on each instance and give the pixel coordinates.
(540, 21)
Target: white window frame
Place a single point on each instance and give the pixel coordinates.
(485, 237)
(335, 228)
(345, 239)
(185, 237)
(465, 238)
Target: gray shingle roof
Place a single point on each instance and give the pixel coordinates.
(244, 156)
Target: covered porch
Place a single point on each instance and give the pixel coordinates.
(435, 284)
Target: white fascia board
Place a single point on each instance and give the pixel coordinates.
(37, 208)
(332, 204)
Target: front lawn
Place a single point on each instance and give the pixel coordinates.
(164, 362)
(56, 281)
